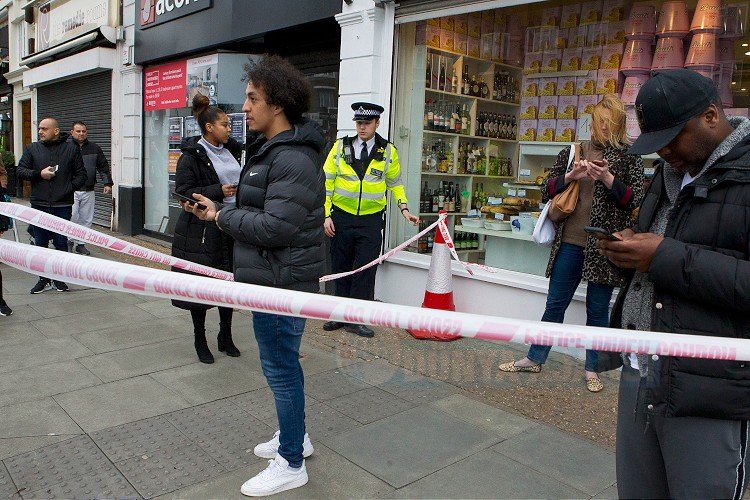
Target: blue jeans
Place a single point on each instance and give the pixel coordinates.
(279, 338)
(566, 275)
(42, 236)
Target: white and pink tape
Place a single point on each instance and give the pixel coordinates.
(109, 275)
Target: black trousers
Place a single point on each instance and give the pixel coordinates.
(357, 241)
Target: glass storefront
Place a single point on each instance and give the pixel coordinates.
(168, 90)
(486, 101)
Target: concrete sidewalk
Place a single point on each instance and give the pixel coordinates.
(102, 395)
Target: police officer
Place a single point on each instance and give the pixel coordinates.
(358, 171)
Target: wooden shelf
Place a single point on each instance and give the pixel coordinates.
(556, 74)
(488, 61)
(484, 176)
(480, 99)
(475, 137)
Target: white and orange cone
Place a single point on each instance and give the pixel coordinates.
(439, 290)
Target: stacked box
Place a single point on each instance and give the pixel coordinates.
(529, 87)
(547, 86)
(566, 85)
(608, 81)
(550, 16)
(567, 107)
(547, 107)
(571, 59)
(461, 24)
(591, 12)
(487, 24)
(460, 44)
(532, 63)
(614, 10)
(529, 108)
(472, 46)
(474, 24)
(447, 23)
(446, 39)
(527, 130)
(611, 56)
(546, 130)
(586, 104)
(551, 61)
(427, 34)
(591, 58)
(586, 85)
(616, 32)
(570, 15)
(565, 130)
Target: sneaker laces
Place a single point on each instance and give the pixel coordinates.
(274, 469)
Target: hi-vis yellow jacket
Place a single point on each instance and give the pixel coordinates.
(347, 192)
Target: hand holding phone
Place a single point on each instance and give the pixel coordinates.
(600, 233)
(189, 200)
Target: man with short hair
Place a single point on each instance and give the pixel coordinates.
(55, 169)
(682, 427)
(84, 199)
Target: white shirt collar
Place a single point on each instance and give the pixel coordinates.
(358, 146)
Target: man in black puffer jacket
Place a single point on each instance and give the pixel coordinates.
(277, 226)
(682, 427)
(55, 169)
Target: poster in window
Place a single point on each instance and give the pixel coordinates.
(203, 78)
(191, 127)
(174, 156)
(175, 129)
(238, 126)
(164, 86)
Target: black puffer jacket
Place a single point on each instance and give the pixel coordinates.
(70, 177)
(277, 223)
(94, 161)
(701, 276)
(196, 240)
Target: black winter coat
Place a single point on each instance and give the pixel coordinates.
(70, 177)
(94, 161)
(701, 276)
(277, 222)
(194, 239)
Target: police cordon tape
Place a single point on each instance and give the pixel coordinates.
(72, 230)
(119, 277)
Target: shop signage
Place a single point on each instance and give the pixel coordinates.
(63, 20)
(155, 12)
(165, 86)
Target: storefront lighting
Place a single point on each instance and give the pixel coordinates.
(747, 53)
(744, 45)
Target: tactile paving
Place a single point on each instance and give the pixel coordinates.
(332, 384)
(99, 484)
(258, 403)
(166, 470)
(136, 438)
(369, 405)
(224, 431)
(7, 488)
(43, 468)
(322, 421)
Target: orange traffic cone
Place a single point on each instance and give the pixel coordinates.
(438, 293)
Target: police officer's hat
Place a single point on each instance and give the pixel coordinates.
(365, 111)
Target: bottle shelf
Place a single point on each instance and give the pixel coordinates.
(478, 59)
(475, 137)
(521, 185)
(471, 97)
(484, 176)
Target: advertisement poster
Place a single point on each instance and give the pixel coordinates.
(164, 86)
(203, 78)
(191, 127)
(175, 129)
(174, 156)
(239, 129)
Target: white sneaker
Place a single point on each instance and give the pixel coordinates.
(270, 448)
(277, 477)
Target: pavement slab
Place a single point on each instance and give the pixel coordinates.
(136, 334)
(322, 421)
(7, 488)
(568, 459)
(42, 381)
(332, 384)
(487, 475)
(168, 469)
(41, 351)
(119, 402)
(39, 418)
(18, 332)
(10, 447)
(91, 321)
(504, 424)
(410, 445)
(370, 404)
(106, 483)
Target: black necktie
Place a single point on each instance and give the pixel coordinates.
(363, 154)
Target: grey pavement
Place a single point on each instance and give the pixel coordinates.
(102, 396)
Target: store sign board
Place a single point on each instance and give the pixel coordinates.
(156, 12)
(62, 20)
(165, 86)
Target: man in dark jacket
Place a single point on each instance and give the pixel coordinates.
(682, 427)
(84, 199)
(55, 168)
(277, 226)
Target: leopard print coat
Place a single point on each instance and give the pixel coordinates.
(611, 209)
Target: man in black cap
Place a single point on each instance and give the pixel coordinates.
(359, 171)
(682, 427)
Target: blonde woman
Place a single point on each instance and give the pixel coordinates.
(611, 186)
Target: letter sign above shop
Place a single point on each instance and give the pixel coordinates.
(155, 12)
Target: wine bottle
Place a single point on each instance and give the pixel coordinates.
(441, 78)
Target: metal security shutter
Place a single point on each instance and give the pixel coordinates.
(88, 99)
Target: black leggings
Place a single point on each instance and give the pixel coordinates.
(199, 319)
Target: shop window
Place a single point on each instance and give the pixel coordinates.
(490, 98)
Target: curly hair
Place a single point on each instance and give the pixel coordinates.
(204, 112)
(283, 85)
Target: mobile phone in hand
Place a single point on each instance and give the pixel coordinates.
(189, 200)
(54, 168)
(601, 233)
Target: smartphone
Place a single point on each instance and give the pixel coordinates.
(601, 233)
(188, 199)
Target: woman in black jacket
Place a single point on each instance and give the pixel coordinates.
(208, 166)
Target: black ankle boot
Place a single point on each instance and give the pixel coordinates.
(201, 348)
(226, 344)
